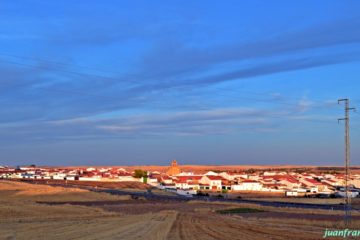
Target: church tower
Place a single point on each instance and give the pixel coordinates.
(173, 169)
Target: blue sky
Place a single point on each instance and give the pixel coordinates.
(205, 82)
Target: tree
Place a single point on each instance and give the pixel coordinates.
(250, 171)
(138, 173)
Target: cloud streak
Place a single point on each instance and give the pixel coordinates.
(171, 57)
(45, 92)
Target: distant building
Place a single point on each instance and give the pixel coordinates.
(174, 169)
(211, 173)
(247, 185)
(214, 182)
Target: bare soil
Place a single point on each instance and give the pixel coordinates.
(81, 214)
(98, 184)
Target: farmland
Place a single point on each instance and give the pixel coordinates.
(90, 215)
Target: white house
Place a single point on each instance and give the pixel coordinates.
(93, 178)
(185, 174)
(166, 179)
(59, 176)
(311, 184)
(213, 181)
(247, 185)
(211, 173)
(152, 181)
(232, 176)
(127, 178)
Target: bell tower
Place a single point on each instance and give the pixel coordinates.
(174, 163)
(173, 169)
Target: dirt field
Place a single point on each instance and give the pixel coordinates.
(89, 215)
(98, 184)
(22, 218)
(355, 202)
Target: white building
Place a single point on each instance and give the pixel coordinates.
(247, 185)
(211, 173)
(213, 181)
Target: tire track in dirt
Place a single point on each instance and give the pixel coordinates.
(152, 226)
(211, 226)
(155, 227)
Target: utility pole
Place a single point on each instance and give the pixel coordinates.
(347, 217)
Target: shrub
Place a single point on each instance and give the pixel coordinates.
(138, 173)
(239, 210)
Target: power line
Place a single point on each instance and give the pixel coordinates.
(347, 160)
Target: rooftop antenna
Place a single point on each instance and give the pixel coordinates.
(347, 206)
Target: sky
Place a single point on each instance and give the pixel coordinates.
(205, 82)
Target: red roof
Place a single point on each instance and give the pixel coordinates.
(312, 181)
(273, 185)
(180, 181)
(124, 174)
(329, 180)
(225, 182)
(193, 183)
(288, 178)
(215, 178)
(327, 184)
(189, 178)
(249, 181)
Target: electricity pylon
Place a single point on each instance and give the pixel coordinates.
(347, 217)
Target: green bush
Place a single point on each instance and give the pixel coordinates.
(145, 179)
(239, 210)
(138, 173)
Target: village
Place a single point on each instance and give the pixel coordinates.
(286, 183)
